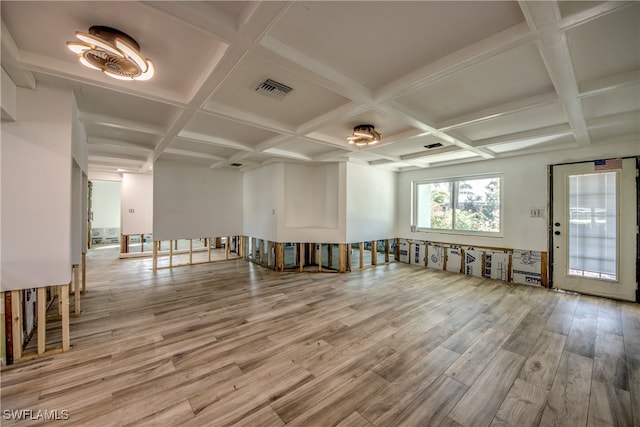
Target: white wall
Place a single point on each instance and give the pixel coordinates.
(36, 190)
(313, 203)
(136, 204)
(524, 187)
(76, 237)
(263, 201)
(191, 202)
(371, 203)
(106, 204)
(8, 101)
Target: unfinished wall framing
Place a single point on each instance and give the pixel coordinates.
(181, 252)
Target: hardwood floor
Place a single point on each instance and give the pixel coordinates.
(233, 343)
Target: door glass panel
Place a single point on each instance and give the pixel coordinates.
(593, 236)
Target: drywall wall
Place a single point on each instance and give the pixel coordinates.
(191, 202)
(263, 201)
(36, 190)
(313, 203)
(77, 228)
(8, 103)
(371, 203)
(136, 204)
(104, 176)
(524, 187)
(106, 204)
(79, 147)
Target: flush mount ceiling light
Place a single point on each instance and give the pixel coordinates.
(112, 52)
(364, 135)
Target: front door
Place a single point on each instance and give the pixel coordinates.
(594, 228)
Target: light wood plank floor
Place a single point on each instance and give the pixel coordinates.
(233, 343)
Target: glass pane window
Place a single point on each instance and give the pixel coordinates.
(593, 228)
(465, 205)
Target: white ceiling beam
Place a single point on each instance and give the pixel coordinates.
(333, 155)
(615, 120)
(118, 123)
(194, 154)
(286, 153)
(246, 118)
(413, 119)
(542, 18)
(598, 10)
(92, 140)
(549, 131)
(11, 63)
(426, 153)
(212, 140)
(348, 110)
(273, 142)
(499, 111)
(500, 42)
(608, 84)
(116, 160)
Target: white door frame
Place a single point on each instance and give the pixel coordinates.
(558, 227)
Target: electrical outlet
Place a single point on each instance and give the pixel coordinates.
(132, 211)
(536, 213)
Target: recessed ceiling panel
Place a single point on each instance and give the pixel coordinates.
(187, 159)
(534, 118)
(531, 142)
(227, 129)
(180, 52)
(198, 147)
(510, 76)
(388, 126)
(606, 46)
(604, 133)
(571, 7)
(410, 145)
(306, 148)
(621, 100)
(120, 134)
(305, 102)
(381, 41)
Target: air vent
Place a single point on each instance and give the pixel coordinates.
(273, 89)
(434, 145)
(236, 165)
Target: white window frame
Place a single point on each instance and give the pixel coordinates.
(454, 195)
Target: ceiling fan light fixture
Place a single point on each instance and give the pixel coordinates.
(113, 52)
(364, 135)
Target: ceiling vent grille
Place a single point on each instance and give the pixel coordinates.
(432, 146)
(273, 89)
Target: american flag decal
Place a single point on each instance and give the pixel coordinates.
(609, 164)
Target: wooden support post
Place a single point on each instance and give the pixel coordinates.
(279, 256)
(227, 248)
(330, 255)
(342, 258)
(84, 273)
(141, 243)
(208, 240)
(319, 255)
(387, 258)
(302, 257)
(361, 255)
(76, 290)
(190, 251)
(544, 277)
(176, 244)
(16, 324)
(218, 242)
(374, 253)
(156, 244)
(64, 308)
(244, 247)
(171, 253)
(42, 320)
(397, 251)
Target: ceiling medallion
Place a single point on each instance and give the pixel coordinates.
(113, 52)
(364, 135)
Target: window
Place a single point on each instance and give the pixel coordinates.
(459, 205)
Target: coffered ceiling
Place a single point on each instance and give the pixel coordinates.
(483, 79)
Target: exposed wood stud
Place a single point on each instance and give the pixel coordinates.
(171, 253)
(279, 256)
(361, 247)
(302, 256)
(142, 243)
(208, 243)
(387, 246)
(544, 277)
(218, 242)
(342, 258)
(42, 319)
(155, 255)
(374, 253)
(8, 314)
(16, 324)
(76, 290)
(84, 273)
(227, 248)
(190, 251)
(64, 307)
(329, 255)
(319, 255)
